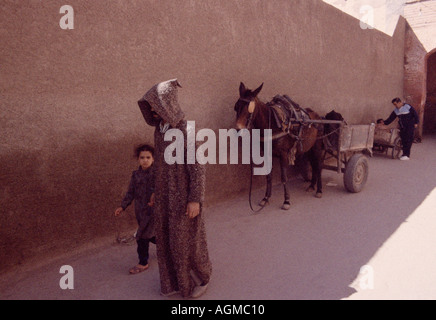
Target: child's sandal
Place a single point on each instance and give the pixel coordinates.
(138, 269)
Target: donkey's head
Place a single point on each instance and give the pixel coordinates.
(333, 115)
(246, 107)
(331, 129)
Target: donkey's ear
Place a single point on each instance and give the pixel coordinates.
(256, 92)
(242, 89)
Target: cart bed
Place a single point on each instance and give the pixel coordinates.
(357, 138)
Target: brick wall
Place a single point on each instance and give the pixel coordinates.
(414, 74)
(429, 124)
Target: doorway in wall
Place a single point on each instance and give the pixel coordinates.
(429, 125)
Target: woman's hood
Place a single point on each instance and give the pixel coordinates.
(163, 98)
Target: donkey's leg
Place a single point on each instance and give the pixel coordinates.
(317, 173)
(313, 165)
(284, 177)
(265, 200)
(316, 163)
(319, 162)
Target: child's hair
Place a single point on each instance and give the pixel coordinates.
(143, 147)
(379, 120)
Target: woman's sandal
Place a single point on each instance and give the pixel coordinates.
(138, 269)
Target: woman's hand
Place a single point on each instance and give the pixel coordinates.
(193, 209)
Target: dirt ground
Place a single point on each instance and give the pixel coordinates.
(316, 250)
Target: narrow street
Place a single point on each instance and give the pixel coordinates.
(313, 251)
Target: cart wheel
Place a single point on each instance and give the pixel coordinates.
(356, 173)
(396, 149)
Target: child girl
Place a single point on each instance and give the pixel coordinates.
(141, 190)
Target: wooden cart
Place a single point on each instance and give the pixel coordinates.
(345, 153)
(385, 139)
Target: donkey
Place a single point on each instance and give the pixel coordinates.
(252, 113)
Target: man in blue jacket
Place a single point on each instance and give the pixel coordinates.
(408, 121)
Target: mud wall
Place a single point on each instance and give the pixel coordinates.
(69, 114)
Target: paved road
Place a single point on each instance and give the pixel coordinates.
(316, 250)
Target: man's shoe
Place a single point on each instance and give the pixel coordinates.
(404, 158)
